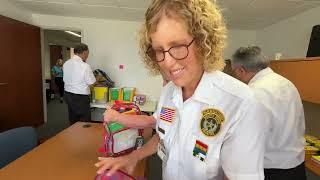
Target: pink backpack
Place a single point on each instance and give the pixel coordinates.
(118, 175)
(118, 139)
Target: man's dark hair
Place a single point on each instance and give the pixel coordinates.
(80, 48)
(251, 58)
(227, 68)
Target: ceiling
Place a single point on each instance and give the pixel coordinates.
(239, 14)
(61, 38)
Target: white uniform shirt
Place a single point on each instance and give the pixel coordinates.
(78, 76)
(285, 140)
(237, 148)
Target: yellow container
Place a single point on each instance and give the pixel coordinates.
(100, 94)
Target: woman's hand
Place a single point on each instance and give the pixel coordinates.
(127, 163)
(110, 115)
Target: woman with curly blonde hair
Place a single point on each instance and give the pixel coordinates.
(207, 122)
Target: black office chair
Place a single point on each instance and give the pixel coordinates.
(15, 143)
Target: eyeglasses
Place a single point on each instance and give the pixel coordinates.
(178, 52)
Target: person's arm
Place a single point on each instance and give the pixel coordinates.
(53, 72)
(97, 81)
(133, 121)
(242, 152)
(127, 162)
(89, 76)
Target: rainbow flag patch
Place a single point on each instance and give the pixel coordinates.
(200, 150)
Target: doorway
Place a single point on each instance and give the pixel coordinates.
(57, 44)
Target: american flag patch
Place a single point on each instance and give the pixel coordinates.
(167, 114)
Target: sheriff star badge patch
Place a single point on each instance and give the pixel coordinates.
(211, 122)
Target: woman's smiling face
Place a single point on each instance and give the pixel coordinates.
(172, 32)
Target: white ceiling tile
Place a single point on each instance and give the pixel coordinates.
(302, 8)
(245, 23)
(271, 8)
(50, 1)
(234, 4)
(142, 4)
(81, 10)
(99, 2)
(239, 14)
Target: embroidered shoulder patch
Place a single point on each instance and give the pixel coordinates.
(211, 122)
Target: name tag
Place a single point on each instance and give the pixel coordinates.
(161, 130)
(162, 153)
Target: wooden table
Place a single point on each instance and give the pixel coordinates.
(69, 155)
(311, 165)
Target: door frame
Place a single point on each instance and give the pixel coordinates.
(43, 58)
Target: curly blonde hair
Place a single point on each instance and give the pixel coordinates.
(204, 22)
(58, 61)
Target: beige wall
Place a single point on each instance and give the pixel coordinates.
(289, 37)
(238, 38)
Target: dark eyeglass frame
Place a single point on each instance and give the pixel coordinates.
(151, 52)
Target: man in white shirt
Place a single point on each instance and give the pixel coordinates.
(284, 154)
(77, 78)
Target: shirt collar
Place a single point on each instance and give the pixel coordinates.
(177, 96)
(77, 57)
(204, 92)
(207, 88)
(260, 74)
